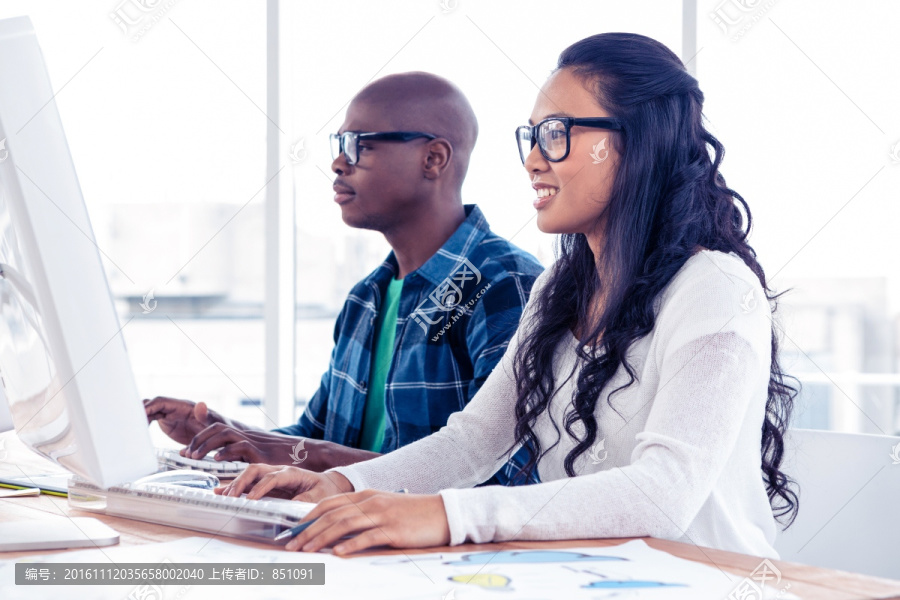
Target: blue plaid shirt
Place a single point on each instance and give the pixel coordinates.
(457, 313)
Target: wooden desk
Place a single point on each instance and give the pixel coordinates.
(806, 582)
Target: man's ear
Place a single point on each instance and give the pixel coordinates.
(440, 152)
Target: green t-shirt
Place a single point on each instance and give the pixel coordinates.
(385, 330)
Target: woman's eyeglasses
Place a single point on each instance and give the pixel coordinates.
(552, 135)
(347, 143)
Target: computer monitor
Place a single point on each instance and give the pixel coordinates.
(63, 363)
(6, 422)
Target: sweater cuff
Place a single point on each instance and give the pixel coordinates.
(352, 476)
(455, 519)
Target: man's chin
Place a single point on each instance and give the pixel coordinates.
(356, 219)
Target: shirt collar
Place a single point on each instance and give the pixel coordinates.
(447, 259)
(459, 246)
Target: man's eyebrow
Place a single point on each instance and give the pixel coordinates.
(551, 116)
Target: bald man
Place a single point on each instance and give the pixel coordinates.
(417, 337)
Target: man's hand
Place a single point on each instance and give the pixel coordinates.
(251, 446)
(181, 420)
(285, 482)
(257, 446)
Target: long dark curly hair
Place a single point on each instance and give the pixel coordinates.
(667, 200)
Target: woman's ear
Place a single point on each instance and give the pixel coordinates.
(440, 152)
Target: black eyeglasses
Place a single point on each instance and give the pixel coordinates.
(552, 135)
(347, 143)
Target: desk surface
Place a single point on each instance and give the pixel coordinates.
(806, 581)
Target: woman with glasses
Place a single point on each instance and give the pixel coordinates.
(644, 377)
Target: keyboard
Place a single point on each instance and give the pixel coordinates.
(191, 508)
(170, 459)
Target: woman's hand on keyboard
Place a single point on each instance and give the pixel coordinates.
(286, 482)
(375, 518)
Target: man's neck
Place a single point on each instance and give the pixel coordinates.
(420, 238)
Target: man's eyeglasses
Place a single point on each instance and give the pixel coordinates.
(552, 135)
(347, 143)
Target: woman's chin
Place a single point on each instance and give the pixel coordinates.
(547, 224)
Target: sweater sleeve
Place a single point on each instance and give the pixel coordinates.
(711, 355)
(448, 458)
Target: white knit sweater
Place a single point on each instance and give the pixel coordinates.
(680, 455)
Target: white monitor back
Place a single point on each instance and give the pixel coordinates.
(63, 361)
(6, 422)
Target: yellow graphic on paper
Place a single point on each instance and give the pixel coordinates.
(485, 580)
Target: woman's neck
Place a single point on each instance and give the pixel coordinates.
(583, 328)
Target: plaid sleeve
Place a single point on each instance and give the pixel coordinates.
(493, 323)
(311, 423)
(494, 320)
